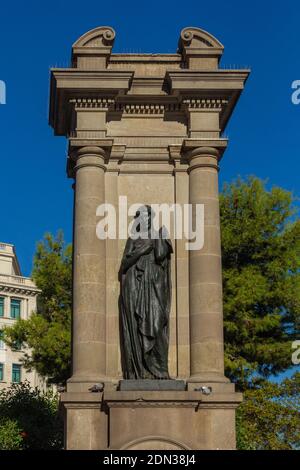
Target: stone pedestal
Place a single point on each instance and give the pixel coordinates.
(135, 420)
(148, 127)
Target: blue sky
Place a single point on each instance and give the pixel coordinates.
(36, 195)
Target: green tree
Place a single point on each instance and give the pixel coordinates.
(261, 283)
(269, 417)
(10, 435)
(29, 419)
(48, 331)
(261, 279)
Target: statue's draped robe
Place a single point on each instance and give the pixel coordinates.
(145, 308)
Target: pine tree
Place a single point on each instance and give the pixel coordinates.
(261, 279)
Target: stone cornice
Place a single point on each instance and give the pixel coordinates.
(205, 103)
(161, 399)
(18, 285)
(223, 86)
(215, 80)
(131, 105)
(67, 83)
(147, 107)
(80, 80)
(106, 90)
(17, 290)
(92, 103)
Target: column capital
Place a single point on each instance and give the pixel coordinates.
(83, 153)
(198, 145)
(76, 143)
(203, 157)
(85, 157)
(87, 151)
(203, 152)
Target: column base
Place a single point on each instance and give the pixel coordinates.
(216, 382)
(208, 376)
(83, 384)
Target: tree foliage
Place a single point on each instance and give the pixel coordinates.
(10, 435)
(269, 417)
(48, 331)
(29, 419)
(261, 279)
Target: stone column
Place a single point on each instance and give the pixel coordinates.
(88, 329)
(205, 272)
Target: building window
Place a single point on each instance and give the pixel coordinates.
(17, 345)
(1, 340)
(15, 308)
(1, 372)
(16, 373)
(1, 306)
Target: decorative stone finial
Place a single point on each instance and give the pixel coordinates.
(92, 49)
(200, 50)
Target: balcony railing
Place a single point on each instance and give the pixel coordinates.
(10, 279)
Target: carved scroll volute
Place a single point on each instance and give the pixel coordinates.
(92, 50)
(200, 50)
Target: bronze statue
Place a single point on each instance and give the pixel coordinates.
(145, 302)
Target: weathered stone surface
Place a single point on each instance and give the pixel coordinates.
(152, 385)
(157, 420)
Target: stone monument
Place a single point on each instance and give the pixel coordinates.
(148, 127)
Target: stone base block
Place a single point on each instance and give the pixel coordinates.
(154, 385)
(152, 420)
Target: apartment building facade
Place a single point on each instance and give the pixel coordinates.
(18, 297)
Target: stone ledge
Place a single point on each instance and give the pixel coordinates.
(152, 385)
(162, 396)
(165, 396)
(150, 399)
(81, 397)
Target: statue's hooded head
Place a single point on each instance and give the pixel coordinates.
(144, 217)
